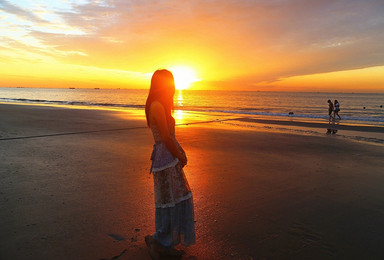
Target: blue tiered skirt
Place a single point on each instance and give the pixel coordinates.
(174, 216)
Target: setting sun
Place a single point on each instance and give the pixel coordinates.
(183, 77)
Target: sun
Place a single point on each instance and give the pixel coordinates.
(184, 76)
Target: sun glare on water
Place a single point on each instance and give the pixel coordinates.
(183, 77)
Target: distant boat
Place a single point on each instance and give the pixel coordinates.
(71, 88)
(97, 88)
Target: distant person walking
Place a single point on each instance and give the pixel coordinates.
(330, 109)
(336, 110)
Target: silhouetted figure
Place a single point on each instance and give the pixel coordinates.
(337, 110)
(174, 214)
(330, 109)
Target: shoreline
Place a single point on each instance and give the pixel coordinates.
(264, 119)
(371, 134)
(375, 122)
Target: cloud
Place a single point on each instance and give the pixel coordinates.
(18, 11)
(250, 41)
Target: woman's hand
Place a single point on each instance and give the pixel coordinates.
(183, 160)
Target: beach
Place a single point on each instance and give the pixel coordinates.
(74, 184)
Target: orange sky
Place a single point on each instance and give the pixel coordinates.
(296, 45)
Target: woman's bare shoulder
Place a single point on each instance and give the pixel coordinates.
(156, 109)
(155, 104)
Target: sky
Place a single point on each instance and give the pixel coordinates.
(260, 45)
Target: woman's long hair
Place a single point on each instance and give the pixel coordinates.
(162, 90)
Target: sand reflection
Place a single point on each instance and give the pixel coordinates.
(179, 114)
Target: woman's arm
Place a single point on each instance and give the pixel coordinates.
(157, 112)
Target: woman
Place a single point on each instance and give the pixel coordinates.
(174, 216)
(337, 109)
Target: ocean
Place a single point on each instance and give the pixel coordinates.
(356, 108)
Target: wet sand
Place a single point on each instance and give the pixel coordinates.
(257, 194)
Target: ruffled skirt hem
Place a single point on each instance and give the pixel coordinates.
(175, 225)
(189, 195)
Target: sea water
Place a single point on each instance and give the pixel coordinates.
(356, 108)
